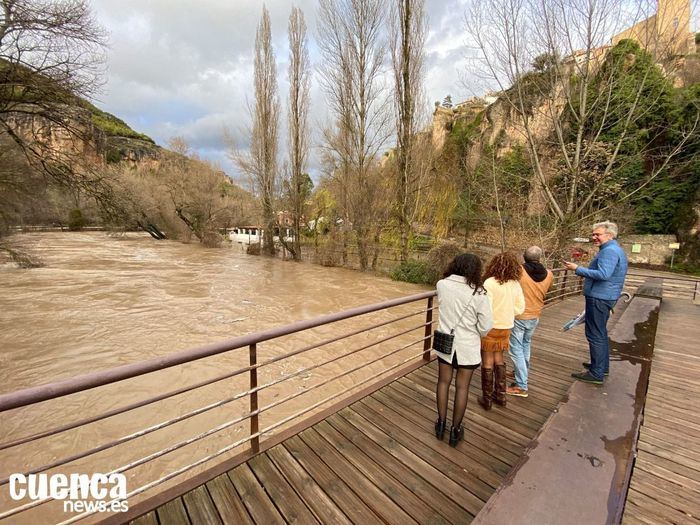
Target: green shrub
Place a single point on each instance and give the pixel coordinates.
(417, 272)
(111, 125)
(113, 156)
(76, 221)
(687, 268)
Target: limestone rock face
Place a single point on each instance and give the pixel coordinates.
(443, 119)
(79, 140)
(132, 150)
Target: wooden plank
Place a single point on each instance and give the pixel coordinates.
(448, 460)
(255, 499)
(652, 465)
(657, 396)
(688, 446)
(146, 519)
(334, 486)
(502, 418)
(313, 495)
(200, 507)
(227, 501)
(468, 446)
(683, 420)
(671, 455)
(437, 490)
(635, 515)
(665, 482)
(661, 513)
(382, 505)
(661, 425)
(173, 513)
(505, 417)
(480, 442)
(376, 473)
(481, 424)
(679, 379)
(486, 467)
(286, 500)
(471, 420)
(667, 493)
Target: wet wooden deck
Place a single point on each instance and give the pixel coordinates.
(378, 460)
(665, 485)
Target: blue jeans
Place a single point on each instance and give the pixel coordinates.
(519, 352)
(597, 315)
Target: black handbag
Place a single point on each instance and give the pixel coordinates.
(442, 341)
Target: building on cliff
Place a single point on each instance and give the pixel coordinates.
(444, 116)
(666, 34)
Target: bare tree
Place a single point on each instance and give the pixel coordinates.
(559, 78)
(298, 188)
(351, 44)
(260, 163)
(408, 28)
(50, 53)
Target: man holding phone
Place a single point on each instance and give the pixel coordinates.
(604, 279)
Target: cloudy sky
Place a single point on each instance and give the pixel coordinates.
(184, 67)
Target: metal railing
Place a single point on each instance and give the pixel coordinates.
(407, 344)
(380, 347)
(565, 284)
(674, 286)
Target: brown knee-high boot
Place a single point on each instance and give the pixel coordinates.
(486, 388)
(499, 391)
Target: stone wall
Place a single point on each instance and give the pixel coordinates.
(653, 249)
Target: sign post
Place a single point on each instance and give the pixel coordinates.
(674, 246)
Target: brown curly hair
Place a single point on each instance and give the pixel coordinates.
(503, 267)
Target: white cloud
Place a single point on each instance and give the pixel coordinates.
(184, 68)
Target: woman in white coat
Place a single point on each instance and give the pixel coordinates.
(464, 308)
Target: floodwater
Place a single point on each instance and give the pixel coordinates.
(103, 300)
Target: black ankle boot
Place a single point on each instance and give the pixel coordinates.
(440, 428)
(456, 435)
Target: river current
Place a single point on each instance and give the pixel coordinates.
(102, 300)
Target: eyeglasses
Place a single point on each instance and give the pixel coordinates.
(598, 234)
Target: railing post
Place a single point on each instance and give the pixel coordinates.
(254, 442)
(563, 282)
(428, 330)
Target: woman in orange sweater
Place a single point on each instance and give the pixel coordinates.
(507, 301)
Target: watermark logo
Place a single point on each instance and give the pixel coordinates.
(79, 492)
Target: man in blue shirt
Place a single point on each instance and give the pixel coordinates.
(602, 287)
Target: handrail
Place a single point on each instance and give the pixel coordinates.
(37, 394)
(685, 279)
(566, 285)
(53, 390)
(201, 384)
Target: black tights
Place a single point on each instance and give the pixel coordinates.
(464, 378)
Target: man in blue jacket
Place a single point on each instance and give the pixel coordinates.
(602, 287)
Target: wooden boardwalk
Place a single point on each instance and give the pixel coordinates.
(675, 286)
(665, 485)
(378, 460)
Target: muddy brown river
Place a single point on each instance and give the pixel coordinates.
(103, 300)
